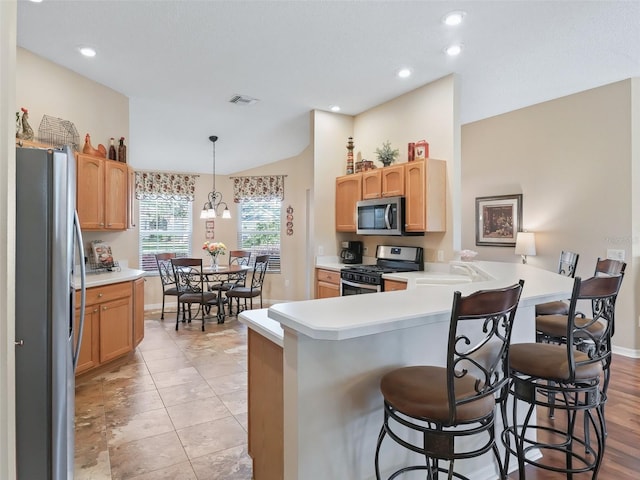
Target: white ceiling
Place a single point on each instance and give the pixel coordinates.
(179, 62)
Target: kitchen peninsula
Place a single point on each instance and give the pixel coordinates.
(335, 351)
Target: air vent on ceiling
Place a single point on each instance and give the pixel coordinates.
(243, 100)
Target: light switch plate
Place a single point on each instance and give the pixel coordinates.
(614, 254)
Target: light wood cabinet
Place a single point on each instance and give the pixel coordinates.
(425, 192)
(392, 285)
(348, 193)
(114, 322)
(383, 182)
(393, 181)
(138, 311)
(372, 184)
(88, 357)
(327, 283)
(102, 193)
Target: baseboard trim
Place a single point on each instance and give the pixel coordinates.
(626, 352)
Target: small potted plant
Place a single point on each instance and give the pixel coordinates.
(386, 154)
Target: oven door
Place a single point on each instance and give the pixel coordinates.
(353, 288)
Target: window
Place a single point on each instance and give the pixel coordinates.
(165, 226)
(259, 230)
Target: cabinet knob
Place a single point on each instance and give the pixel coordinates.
(109, 224)
(101, 224)
(95, 310)
(104, 308)
(19, 343)
(100, 294)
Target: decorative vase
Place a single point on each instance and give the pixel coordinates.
(214, 262)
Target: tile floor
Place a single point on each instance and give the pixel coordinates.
(176, 410)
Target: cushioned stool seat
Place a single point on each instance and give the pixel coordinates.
(447, 413)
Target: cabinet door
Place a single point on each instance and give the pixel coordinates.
(115, 214)
(116, 333)
(415, 197)
(327, 290)
(393, 181)
(90, 192)
(392, 285)
(372, 184)
(348, 192)
(138, 311)
(89, 349)
(131, 196)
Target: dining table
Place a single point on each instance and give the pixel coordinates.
(220, 275)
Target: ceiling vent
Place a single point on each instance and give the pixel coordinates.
(243, 100)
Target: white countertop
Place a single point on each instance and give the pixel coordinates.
(261, 323)
(359, 315)
(106, 278)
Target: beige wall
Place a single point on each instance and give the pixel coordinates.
(430, 113)
(571, 159)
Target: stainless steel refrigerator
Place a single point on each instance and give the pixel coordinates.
(46, 349)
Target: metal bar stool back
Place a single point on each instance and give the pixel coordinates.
(441, 407)
(565, 378)
(566, 266)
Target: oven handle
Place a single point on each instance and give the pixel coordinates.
(387, 216)
(378, 288)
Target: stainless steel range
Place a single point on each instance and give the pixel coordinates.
(359, 279)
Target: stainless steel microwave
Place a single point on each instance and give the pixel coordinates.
(380, 216)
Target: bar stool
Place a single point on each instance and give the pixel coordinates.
(567, 379)
(446, 404)
(566, 266)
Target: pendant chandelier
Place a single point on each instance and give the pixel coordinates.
(214, 201)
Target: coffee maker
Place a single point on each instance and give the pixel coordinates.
(351, 252)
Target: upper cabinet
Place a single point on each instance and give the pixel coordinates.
(348, 193)
(102, 193)
(383, 182)
(425, 193)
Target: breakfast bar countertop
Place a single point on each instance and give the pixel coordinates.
(354, 316)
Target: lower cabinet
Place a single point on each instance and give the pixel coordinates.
(113, 315)
(327, 283)
(391, 285)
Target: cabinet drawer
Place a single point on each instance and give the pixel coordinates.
(328, 276)
(105, 293)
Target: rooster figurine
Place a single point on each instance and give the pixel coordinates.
(27, 131)
(89, 150)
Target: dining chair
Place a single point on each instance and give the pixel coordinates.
(255, 287)
(167, 279)
(428, 408)
(566, 266)
(190, 282)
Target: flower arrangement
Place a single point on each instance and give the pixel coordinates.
(214, 248)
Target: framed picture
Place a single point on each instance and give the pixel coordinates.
(498, 219)
(102, 255)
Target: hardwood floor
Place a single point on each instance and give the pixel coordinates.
(622, 451)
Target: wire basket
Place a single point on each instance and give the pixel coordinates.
(58, 132)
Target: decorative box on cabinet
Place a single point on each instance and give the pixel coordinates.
(425, 193)
(348, 193)
(327, 283)
(102, 193)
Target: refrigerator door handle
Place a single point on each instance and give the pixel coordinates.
(83, 288)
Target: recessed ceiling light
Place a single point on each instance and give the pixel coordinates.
(404, 73)
(88, 51)
(36, 1)
(453, 18)
(335, 108)
(453, 50)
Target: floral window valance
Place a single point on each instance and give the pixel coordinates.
(151, 185)
(266, 187)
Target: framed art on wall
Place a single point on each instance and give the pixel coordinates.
(498, 219)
